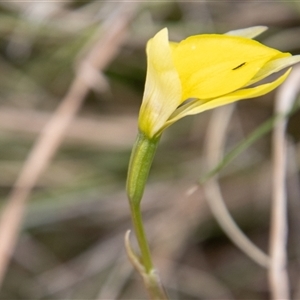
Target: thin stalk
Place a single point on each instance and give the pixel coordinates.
(137, 222)
(139, 166)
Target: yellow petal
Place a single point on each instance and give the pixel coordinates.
(162, 93)
(250, 32)
(212, 65)
(275, 65)
(173, 45)
(196, 106)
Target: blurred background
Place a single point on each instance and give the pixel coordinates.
(70, 244)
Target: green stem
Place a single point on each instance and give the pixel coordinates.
(141, 237)
(140, 163)
(139, 166)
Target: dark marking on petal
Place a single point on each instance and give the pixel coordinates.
(242, 64)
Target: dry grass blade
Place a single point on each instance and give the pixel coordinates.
(278, 276)
(104, 50)
(214, 147)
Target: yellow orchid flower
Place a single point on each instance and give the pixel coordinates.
(199, 73)
(203, 72)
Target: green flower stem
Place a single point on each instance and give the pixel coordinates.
(140, 163)
(141, 237)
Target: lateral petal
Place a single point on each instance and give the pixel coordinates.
(250, 32)
(198, 106)
(162, 93)
(286, 60)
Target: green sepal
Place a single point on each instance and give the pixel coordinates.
(140, 163)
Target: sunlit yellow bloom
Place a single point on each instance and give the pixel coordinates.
(203, 72)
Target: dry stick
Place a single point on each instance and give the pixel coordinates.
(52, 135)
(293, 180)
(278, 277)
(216, 136)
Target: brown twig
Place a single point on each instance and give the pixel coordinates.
(104, 50)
